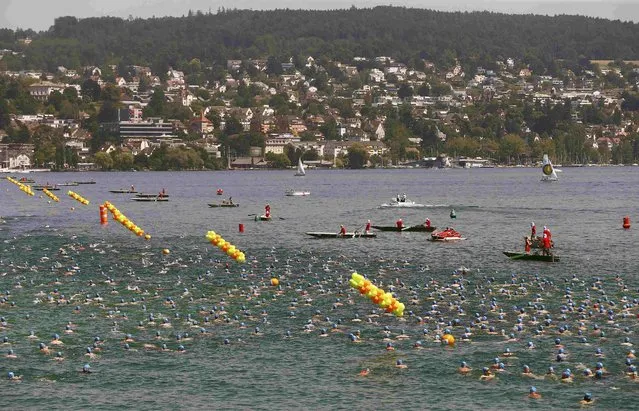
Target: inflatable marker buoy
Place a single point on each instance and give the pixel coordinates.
(376, 295)
(626, 222)
(225, 246)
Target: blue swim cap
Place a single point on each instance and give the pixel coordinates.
(10, 375)
(533, 389)
(588, 396)
(226, 341)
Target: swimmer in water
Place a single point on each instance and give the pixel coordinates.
(486, 374)
(527, 372)
(534, 394)
(86, 369)
(44, 349)
(587, 400)
(566, 376)
(364, 372)
(400, 364)
(10, 354)
(464, 368)
(12, 377)
(56, 340)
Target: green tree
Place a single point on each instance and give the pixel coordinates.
(103, 160)
(357, 156)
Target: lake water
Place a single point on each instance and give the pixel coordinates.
(59, 267)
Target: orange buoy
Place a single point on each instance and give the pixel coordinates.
(103, 215)
(626, 222)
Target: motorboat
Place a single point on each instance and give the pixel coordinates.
(446, 235)
(297, 193)
(402, 203)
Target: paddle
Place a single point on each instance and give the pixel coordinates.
(251, 215)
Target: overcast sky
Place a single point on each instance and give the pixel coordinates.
(39, 14)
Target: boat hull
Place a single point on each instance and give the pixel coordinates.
(223, 205)
(122, 192)
(320, 234)
(151, 195)
(298, 193)
(531, 257)
(150, 199)
(418, 228)
(262, 218)
(446, 239)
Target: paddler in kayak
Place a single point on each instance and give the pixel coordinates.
(342, 230)
(267, 211)
(427, 223)
(368, 226)
(400, 224)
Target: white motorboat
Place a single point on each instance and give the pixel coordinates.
(402, 202)
(297, 193)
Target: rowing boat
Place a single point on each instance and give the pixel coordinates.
(123, 191)
(150, 199)
(419, 227)
(50, 188)
(320, 234)
(223, 205)
(85, 182)
(142, 195)
(532, 257)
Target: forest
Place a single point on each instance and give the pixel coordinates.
(406, 34)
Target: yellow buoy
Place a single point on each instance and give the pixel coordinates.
(275, 282)
(147, 237)
(448, 339)
(166, 251)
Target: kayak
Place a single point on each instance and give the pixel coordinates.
(263, 218)
(224, 205)
(320, 234)
(419, 227)
(532, 257)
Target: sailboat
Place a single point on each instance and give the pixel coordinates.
(549, 173)
(300, 168)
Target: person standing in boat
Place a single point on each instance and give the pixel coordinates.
(527, 245)
(231, 200)
(533, 230)
(403, 197)
(267, 211)
(132, 189)
(368, 227)
(546, 243)
(400, 224)
(342, 230)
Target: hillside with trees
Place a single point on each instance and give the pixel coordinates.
(475, 39)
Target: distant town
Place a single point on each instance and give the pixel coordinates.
(366, 112)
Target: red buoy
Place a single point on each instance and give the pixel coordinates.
(241, 228)
(626, 222)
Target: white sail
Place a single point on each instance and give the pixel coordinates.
(300, 168)
(548, 172)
